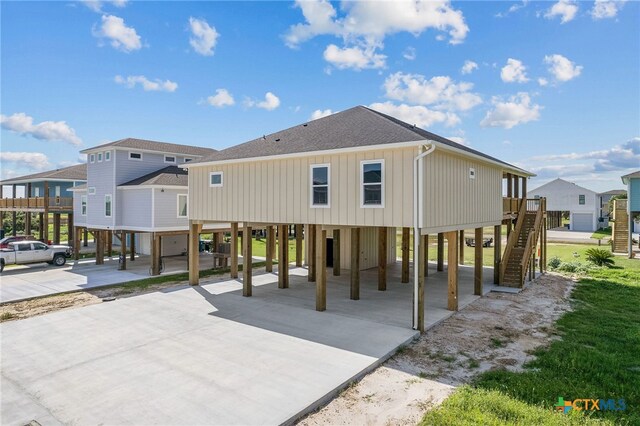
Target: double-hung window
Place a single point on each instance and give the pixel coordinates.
(107, 156)
(107, 205)
(372, 179)
(99, 157)
(320, 181)
(92, 158)
(83, 205)
(581, 199)
(183, 205)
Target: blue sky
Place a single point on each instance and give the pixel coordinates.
(551, 86)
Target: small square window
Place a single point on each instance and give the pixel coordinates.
(215, 179)
(581, 199)
(372, 176)
(91, 190)
(135, 156)
(99, 157)
(169, 159)
(92, 158)
(472, 173)
(107, 156)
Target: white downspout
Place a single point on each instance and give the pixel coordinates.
(418, 199)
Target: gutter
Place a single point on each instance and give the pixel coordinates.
(418, 198)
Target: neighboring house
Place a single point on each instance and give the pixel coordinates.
(352, 179)
(632, 180)
(135, 187)
(42, 194)
(582, 204)
(604, 199)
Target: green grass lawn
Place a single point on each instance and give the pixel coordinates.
(602, 233)
(576, 252)
(597, 357)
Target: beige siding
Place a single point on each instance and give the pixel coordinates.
(453, 200)
(277, 191)
(368, 248)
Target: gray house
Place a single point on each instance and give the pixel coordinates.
(136, 191)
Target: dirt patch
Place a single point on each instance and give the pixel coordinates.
(497, 331)
(29, 308)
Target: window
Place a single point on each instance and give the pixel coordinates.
(472, 173)
(92, 190)
(169, 159)
(83, 205)
(107, 156)
(183, 205)
(135, 156)
(99, 157)
(39, 246)
(537, 197)
(581, 199)
(215, 179)
(23, 247)
(92, 158)
(186, 160)
(57, 191)
(37, 192)
(107, 205)
(372, 178)
(320, 177)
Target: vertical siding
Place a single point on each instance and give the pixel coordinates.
(368, 248)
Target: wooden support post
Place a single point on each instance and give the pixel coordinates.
(41, 227)
(509, 185)
(14, 214)
(355, 263)
(156, 248)
(321, 269)
(76, 243)
(283, 256)
(524, 187)
(45, 227)
(271, 236)
(516, 186)
(419, 263)
(70, 229)
(56, 228)
(382, 258)
(298, 245)
(122, 262)
(99, 238)
(440, 251)
(336, 252)
(461, 245)
(509, 227)
(312, 253)
(477, 276)
(247, 272)
(133, 246)
(452, 271)
(109, 236)
(85, 237)
(234, 250)
(405, 255)
(194, 252)
(27, 223)
(497, 252)
(425, 256)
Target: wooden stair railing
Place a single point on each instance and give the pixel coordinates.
(513, 239)
(532, 243)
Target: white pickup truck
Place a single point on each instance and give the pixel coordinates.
(23, 252)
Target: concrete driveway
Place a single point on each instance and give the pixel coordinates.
(201, 355)
(28, 281)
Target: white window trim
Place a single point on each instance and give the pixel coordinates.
(135, 152)
(91, 190)
(178, 205)
(175, 159)
(584, 197)
(311, 186)
(105, 205)
(371, 206)
(37, 191)
(107, 156)
(100, 155)
(92, 158)
(216, 185)
(83, 200)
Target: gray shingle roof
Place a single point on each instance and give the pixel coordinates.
(77, 172)
(352, 128)
(614, 192)
(169, 176)
(148, 145)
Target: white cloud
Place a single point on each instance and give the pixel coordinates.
(149, 86)
(516, 110)
(512, 9)
(468, 67)
(418, 115)
(47, 130)
(565, 9)
(603, 9)
(355, 57)
(441, 92)
(562, 68)
(205, 37)
(122, 37)
(221, 99)
(320, 113)
(543, 81)
(96, 5)
(30, 160)
(514, 72)
(458, 139)
(409, 53)
(270, 102)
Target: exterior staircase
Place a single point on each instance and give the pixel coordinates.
(620, 231)
(522, 243)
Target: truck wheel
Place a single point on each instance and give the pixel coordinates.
(59, 260)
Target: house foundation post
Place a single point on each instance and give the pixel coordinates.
(497, 252)
(56, 228)
(299, 245)
(99, 239)
(156, 249)
(312, 252)
(440, 251)
(122, 262)
(76, 243)
(405, 255)
(336, 252)
(283, 256)
(271, 235)
(461, 244)
(234, 250)
(452, 271)
(382, 258)
(321, 269)
(355, 264)
(132, 243)
(246, 260)
(477, 265)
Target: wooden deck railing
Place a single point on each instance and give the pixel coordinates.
(510, 205)
(54, 203)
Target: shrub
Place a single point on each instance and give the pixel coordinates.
(573, 267)
(600, 257)
(554, 262)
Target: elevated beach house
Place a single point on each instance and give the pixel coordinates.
(353, 180)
